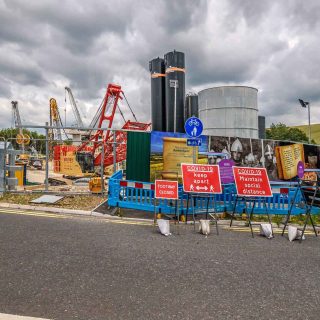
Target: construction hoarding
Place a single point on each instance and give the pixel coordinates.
(280, 158)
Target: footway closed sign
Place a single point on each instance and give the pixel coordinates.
(165, 189)
(252, 182)
(201, 178)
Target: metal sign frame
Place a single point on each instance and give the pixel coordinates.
(251, 199)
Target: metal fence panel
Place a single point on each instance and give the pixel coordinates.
(140, 196)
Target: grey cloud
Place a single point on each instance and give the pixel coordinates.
(5, 89)
(16, 27)
(290, 77)
(304, 15)
(252, 11)
(19, 68)
(178, 16)
(270, 45)
(80, 23)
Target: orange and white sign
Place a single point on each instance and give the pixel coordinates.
(165, 189)
(201, 178)
(252, 182)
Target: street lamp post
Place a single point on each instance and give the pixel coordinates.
(305, 104)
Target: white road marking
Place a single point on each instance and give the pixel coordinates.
(4, 316)
(68, 216)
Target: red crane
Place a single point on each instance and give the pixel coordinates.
(106, 138)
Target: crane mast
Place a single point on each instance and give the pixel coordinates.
(74, 108)
(106, 138)
(22, 139)
(16, 115)
(55, 120)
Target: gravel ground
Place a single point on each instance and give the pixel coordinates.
(89, 268)
(81, 202)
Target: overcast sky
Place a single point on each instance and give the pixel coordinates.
(46, 45)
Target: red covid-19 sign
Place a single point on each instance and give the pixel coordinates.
(252, 182)
(165, 189)
(201, 178)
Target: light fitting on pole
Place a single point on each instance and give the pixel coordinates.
(304, 104)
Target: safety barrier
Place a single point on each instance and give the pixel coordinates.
(140, 195)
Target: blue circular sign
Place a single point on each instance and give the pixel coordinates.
(193, 127)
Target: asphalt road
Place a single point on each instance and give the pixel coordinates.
(63, 267)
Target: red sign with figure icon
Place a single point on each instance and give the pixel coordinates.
(201, 178)
(165, 189)
(252, 182)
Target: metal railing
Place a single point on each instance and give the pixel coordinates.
(46, 177)
(140, 196)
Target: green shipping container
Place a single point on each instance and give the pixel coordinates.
(138, 156)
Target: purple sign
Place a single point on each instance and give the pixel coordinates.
(300, 169)
(226, 173)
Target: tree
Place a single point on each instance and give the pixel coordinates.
(281, 132)
(36, 140)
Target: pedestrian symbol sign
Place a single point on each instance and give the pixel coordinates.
(196, 142)
(201, 178)
(193, 127)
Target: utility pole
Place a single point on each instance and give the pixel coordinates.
(175, 84)
(309, 123)
(305, 104)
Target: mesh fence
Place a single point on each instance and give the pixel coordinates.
(46, 165)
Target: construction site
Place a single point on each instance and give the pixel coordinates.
(75, 159)
(159, 160)
(119, 160)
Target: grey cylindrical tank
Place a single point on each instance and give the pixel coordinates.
(175, 71)
(191, 106)
(229, 111)
(158, 103)
(262, 127)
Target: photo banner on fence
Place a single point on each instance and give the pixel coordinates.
(279, 158)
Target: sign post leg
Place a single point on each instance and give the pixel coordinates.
(194, 155)
(177, 210)
(207, 208)
(215, 216)
(216, 220)
(268, 214)
(187, 209)
(308, 214)
(177, 215)
(155, 213)
(313, 225)
(234, 211)
(251, 215)
(193, 201)
(290, 209)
